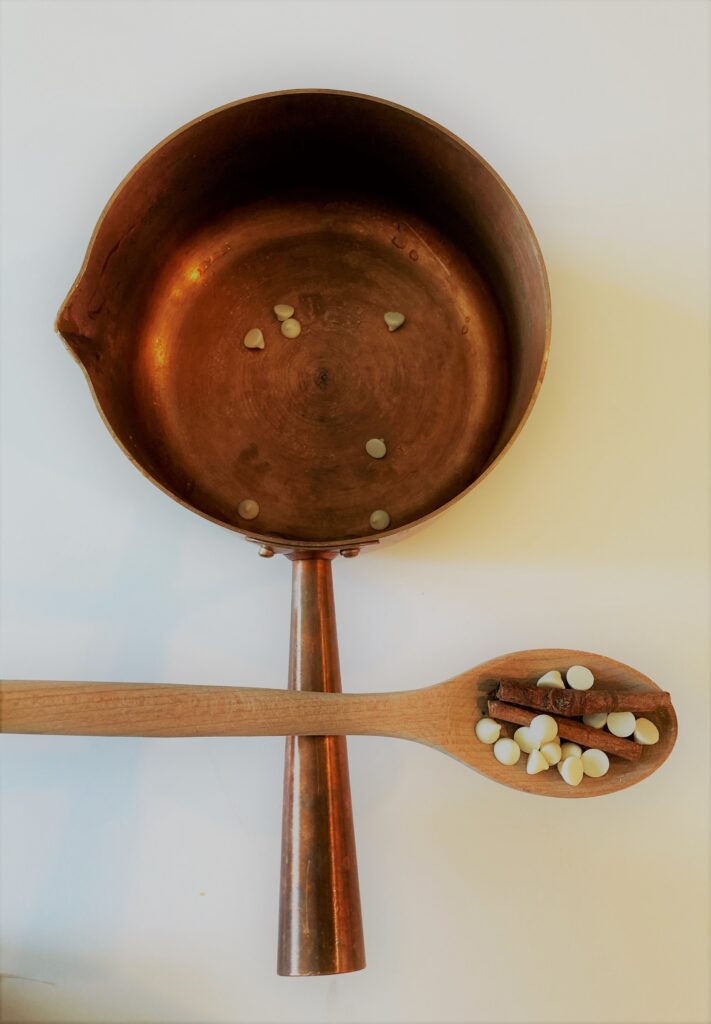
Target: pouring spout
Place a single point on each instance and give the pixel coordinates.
(84, 349)
(84, 318)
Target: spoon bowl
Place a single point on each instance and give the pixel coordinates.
(475, 687)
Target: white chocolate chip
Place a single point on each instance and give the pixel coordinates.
(291, 328)
(526, 740)
(254, 338)
(552, 679)
(579, 677)
(487, 730)
(571, 771)
(597, 720)
(506, 751)
(379, 520)
(282, 311)
(595, 763)
(248, 509)
(551, 752)
(376, 447)
(536, 763)
(570, 750)
(646, 732)
(621, 723)
(394, 320)
(544, 728)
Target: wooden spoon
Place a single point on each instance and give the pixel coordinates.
(441, 716)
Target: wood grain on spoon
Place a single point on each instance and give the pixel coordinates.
(441, 716)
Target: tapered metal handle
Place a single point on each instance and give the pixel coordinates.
(320, 925)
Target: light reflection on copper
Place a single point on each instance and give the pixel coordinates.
(160, 351)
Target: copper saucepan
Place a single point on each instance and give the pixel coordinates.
(344, 207)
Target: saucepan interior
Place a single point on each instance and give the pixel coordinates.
(344, 207)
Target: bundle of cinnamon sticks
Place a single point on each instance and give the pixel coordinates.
(511, 699)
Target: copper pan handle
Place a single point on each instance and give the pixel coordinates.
(320, 926)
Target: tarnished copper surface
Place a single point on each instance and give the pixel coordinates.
(346, 207)
(320, 929)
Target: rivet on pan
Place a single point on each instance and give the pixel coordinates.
(266, 552)
(380, 520)
(248, 509)
(350, 552)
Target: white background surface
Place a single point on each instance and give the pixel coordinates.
(140, 878)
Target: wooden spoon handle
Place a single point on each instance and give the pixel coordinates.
(156, 709)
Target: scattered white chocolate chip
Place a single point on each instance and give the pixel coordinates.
(552, 752)
(646, 732)
(506, 751)
(379, 520)
(526, 740)
(291, 328)
(571, 771)
(536, 763)
(597, 720)
(595, 763)
(552, 679)
(570, 750)
(394, 320)
(543, 728)
(487, 730)
(254, 338)
(282, 311)
(248, 509)
(579, 677)
(376, 447)
(621, 723)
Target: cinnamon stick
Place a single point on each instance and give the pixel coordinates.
(576, 703)
(575, 731)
